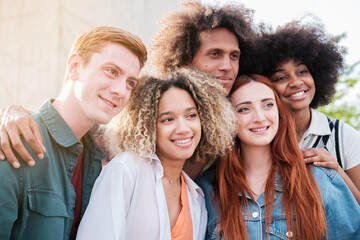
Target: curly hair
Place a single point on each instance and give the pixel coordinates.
(308, 43)
(177, 42)
(134, 129)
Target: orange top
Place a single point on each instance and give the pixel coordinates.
(183, 226)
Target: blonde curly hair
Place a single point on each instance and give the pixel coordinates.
(134, 129)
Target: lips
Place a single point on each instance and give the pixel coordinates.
(107, 101)
(224, 78)
(297, 94)
(259, 129)
(183, 142)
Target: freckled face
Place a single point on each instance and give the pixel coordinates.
(218, 55)
(257, 114)
(178, 126)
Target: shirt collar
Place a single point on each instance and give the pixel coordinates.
(61, 132)
(194, 189)
(317, 126)
(56, 125)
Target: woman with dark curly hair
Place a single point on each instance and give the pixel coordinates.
(143, 192)
(304, 64)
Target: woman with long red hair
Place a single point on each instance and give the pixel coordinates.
(262, 189)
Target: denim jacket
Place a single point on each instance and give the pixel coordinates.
(342, 210)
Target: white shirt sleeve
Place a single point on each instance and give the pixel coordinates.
(351, 145)
(105, 216)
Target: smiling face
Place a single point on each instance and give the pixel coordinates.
(178, 129)
(218, 55)
(257, 114)
(294, 84)
(103, 86)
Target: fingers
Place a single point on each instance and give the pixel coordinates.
(6, 149)
(32, 139)
(320, 157)
(2, 155)
(36, 131)
(333, 165)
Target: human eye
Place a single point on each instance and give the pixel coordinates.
(303, 72)
(235, 56)
(166, 119)
(269, 105)
(243, 110)
(111, 72)
(193, 115)
(131, 83)
(214, 54)
(278, 78)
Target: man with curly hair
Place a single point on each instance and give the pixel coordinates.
(209, 39)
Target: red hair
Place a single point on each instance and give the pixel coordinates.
(301, 195)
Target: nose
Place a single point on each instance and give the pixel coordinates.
(119, 88)
(225, 64)
(182, 126)
(258, 115)
(295, 81)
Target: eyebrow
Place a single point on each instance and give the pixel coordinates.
(221, 50)
(119, 69)
(281, 69)
(249, 102)
(170, 112)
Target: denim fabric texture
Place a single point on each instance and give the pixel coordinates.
(342, 210)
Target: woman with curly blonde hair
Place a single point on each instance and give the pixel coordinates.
(143, 192)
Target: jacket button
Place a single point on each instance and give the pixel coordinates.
(80, 148)
(255, 214)
(289, 234)
(71, 169)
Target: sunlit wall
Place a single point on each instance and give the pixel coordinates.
(36, 36)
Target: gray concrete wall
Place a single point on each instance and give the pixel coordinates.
(36, 36)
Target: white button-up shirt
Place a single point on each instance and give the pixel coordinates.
(128, 202)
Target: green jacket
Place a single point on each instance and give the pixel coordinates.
(38, 202)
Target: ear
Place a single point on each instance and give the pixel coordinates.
(73, 66)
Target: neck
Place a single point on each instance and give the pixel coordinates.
(172, 170)
(256, 159)
(67, 105)
(257, 163)
(302, 121)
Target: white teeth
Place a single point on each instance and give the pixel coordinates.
(259, 129)
(108, 102)
(183, 141)
(297, 94)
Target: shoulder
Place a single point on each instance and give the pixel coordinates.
(206, 180)
(331, 185)
(127, 163)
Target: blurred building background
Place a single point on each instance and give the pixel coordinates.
(36, 36)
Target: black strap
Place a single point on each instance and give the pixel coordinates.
(325, 139)
(337, 145)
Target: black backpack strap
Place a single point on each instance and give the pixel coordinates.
(337, 143)
(335, 128)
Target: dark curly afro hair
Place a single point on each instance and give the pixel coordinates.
(303, 42)
(177, 42)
